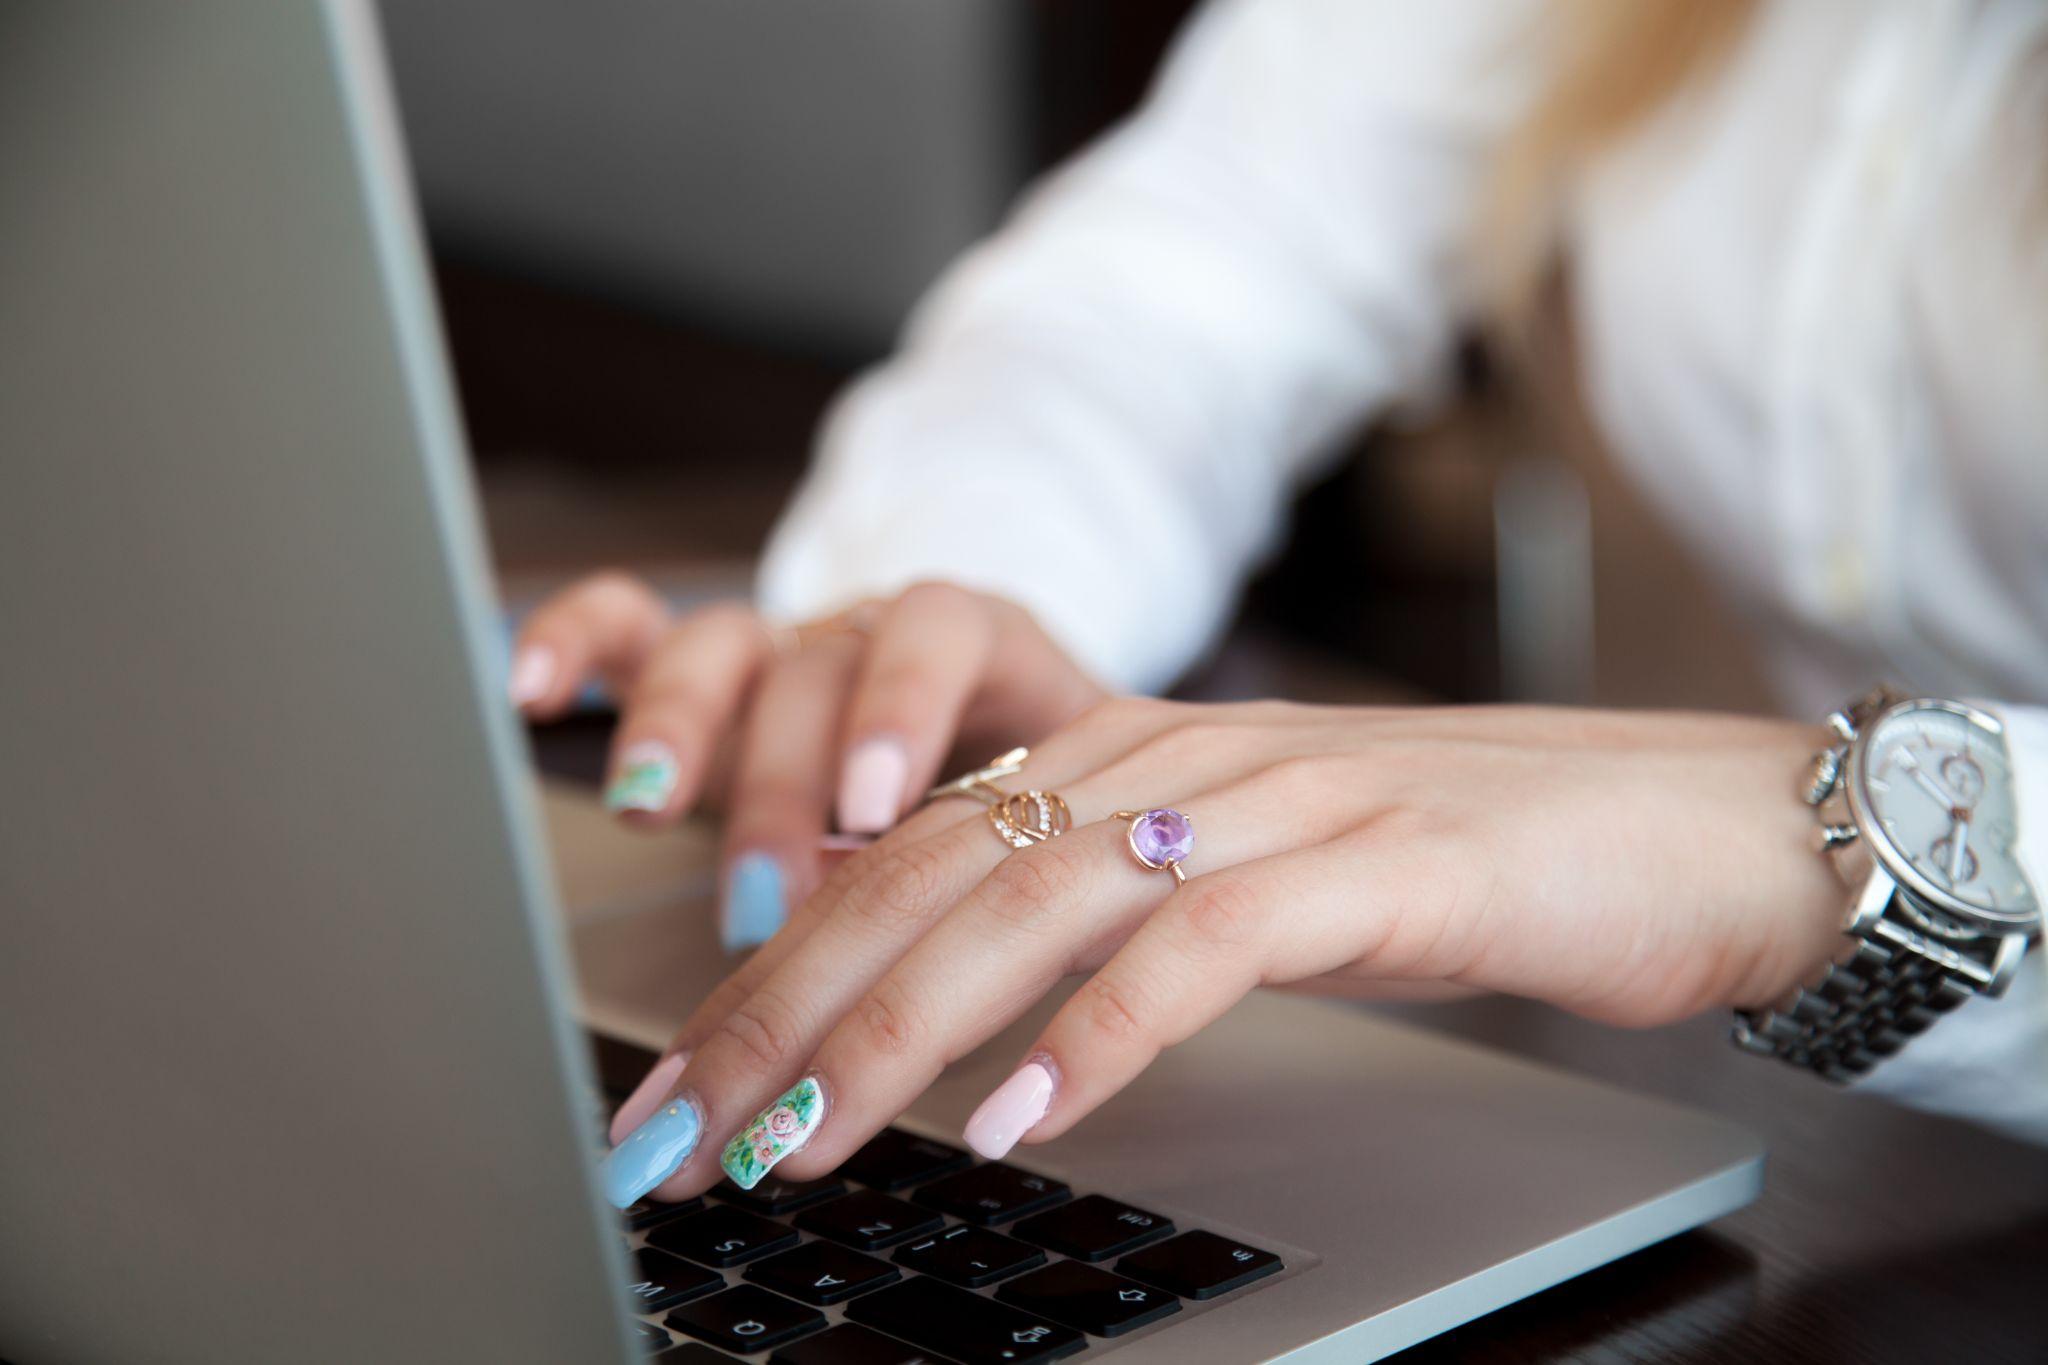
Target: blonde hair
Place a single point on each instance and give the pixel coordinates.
(1617, 62)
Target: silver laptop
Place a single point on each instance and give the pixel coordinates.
(290, 1066)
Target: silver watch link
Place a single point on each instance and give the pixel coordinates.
(1916, 808)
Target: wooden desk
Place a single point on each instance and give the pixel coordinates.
(1883, 1235)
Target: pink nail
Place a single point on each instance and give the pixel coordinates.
(533, 672)
(871, 792)
(647, 1096)
(1008, 1113)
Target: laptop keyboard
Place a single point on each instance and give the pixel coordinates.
(915, 1253)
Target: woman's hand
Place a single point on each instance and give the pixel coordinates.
(866, 705)
(1635, 868)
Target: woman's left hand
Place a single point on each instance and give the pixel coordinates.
(1635, 868)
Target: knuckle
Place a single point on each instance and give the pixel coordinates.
(1188, 742)
(1113, 1010)
(899, 887)
(1033, 881)
(890, 1025)
(612, 585)
(724, 617)
(1222, 914)
(1305, 773)
(935, 593)
(763, 1030)
(1122, 714)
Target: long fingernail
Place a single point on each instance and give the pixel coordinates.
(652, 1090)
(652, 1152)
(783, 1127)
(1010, 1111)
(645, 779)
(871, 792)
(755, 903)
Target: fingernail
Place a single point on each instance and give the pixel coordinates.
(871, 792)
(844, 843)
(533, 672)
(783, 1127)
(652, 1090)
(1009, 1111)
(755, 903)
(645, 778)
(652, 1152)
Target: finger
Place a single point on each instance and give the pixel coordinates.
(1278, 919)
(603, 626)
(781, 789)
(833, 971)
(928, 653)
(1044, 913)
(879, 876)
(748, 1038)
(688, 694)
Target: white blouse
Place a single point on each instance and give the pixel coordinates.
(1813, 295)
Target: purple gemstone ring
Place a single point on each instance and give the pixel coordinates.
(1160, 838)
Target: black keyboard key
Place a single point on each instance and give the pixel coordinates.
(893, 1159)
(850, 1344)
(822, 1273)
(1199, 1265)
(778, 1197)
(870, 1220)
(722, 1236)
(647, 1336)
(745, 1319)
(970, 1256)
(1089, 1297)
(647, 1213)
(690, 1353)
(666, 1280)
(961, 1326)
(993, 1193)
(1094, 1228)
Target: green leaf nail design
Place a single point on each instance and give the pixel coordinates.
(783, 1127)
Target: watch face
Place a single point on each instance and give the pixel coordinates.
(1937, 790)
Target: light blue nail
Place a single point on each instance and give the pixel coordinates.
(755, 904)
(651, 1152)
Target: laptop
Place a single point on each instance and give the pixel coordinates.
(292, 1061)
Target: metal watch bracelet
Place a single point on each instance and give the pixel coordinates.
(1893, 981)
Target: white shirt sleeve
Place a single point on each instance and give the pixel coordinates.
(1099, 412)
(1988, 1061)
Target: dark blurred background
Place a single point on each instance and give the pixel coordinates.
(667, 233)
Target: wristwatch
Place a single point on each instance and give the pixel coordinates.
(1916, 808)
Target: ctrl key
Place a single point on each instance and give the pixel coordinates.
(961, 1326)
(1199, 1265)
(745, 1319)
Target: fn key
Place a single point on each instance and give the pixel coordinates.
(1199, 1265)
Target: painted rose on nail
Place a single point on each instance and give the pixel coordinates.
(783, 1127)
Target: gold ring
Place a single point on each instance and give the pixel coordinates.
(1020, 819)
(980, 784)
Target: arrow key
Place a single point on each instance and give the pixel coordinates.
(963, 1326)
(1089, 1297)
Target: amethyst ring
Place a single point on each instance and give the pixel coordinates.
(1160, 838)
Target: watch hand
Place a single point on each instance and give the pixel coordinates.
(1959, 841)
(1925, 779)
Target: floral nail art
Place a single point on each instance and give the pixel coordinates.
(646, 776)
(783, 1127)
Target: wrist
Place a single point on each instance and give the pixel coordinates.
(1805, 898)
